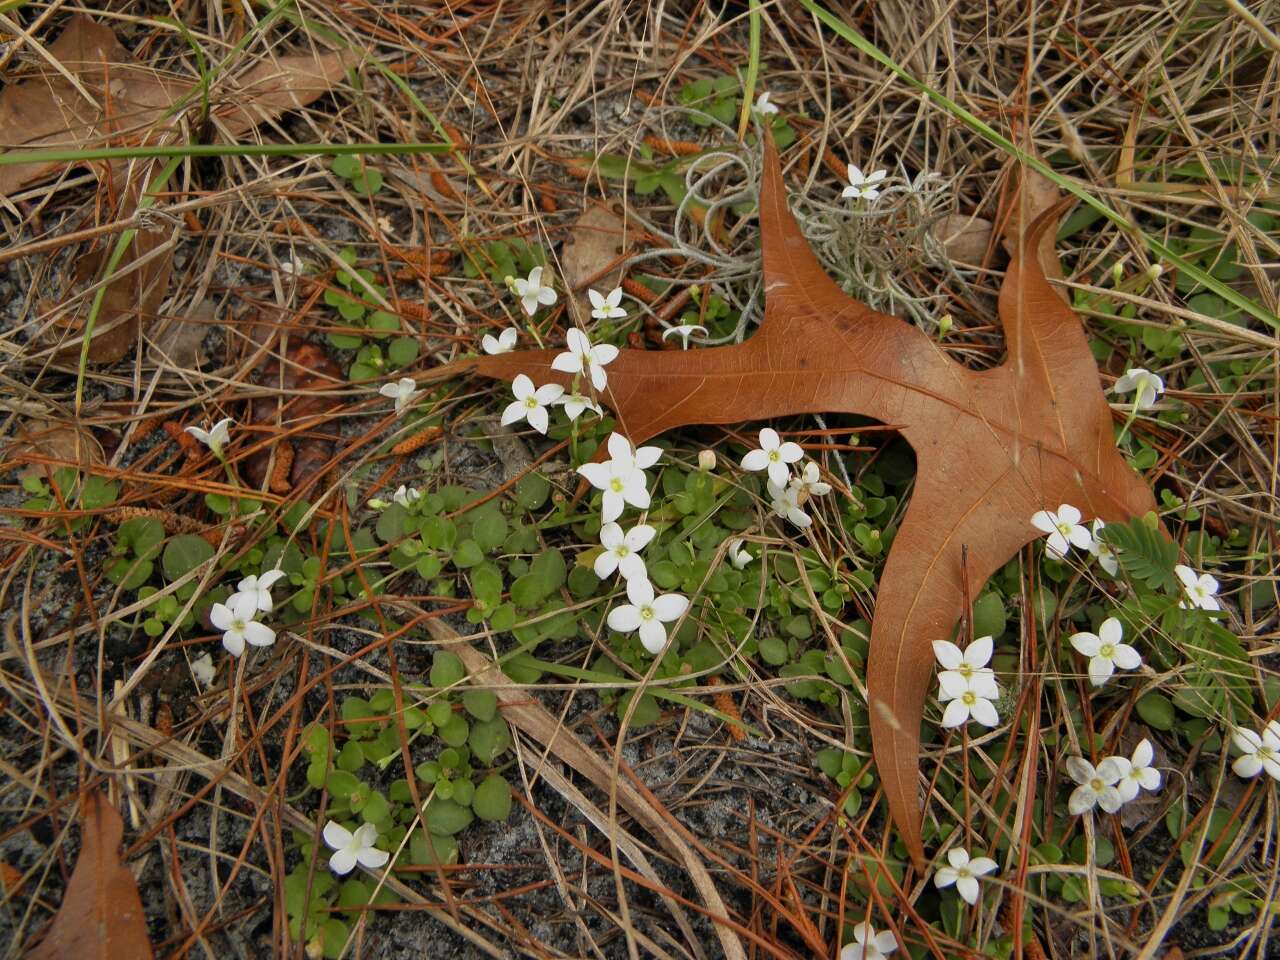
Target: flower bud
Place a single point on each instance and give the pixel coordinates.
(945, 324)
(706, 460)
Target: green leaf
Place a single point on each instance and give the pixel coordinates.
(429, 849)
(481, 704)
(532, 491)
(402, 351)
(183, 554)
(446, 817)
(492, 800)
(773, 651)
(467, 554)
(989, 616)
(1156, 711)
(341, 783)
(447, 669)
(1143, 552)
(454, 731)
(346, 165)
(489, 739)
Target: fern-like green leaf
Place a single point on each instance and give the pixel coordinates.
(1143, 551)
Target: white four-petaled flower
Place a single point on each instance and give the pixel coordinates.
(216, 437)
(869, 945)
(622, 550)
(406, 496)
(1102, 552)
(622, 476)
(647, 614)
(786, 504)
(352, 848)
(684, 331)
(583, 358)
(1257, 753)
(1136, 772)
(1201, 591)
(967, 669)
(1105, 651)
(606, 307)
(764, 107)
(532, 292)
(964, 873)
(1148, 387)
(1064, 529)
(259, 589)
(774, 456)
(1097, 785)
(808, 485)
(235, 619)
(863, 187)
(967, 697)
(531, 404)
(504, 342)
(402, 392)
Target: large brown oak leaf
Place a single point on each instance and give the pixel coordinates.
(992, 447)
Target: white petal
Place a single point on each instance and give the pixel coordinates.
(1057, 546)
(567, 363)
(538, 419)
(947, 654)
(769, 439)
(343, 861)
(233, 641)
(885, 941)
(983, 683)
(1127, 788)
(596, 299)
(373, 858)
(944, 877)
(1044, 521)
(638, 537)
(259, 634)
(1247, 766)
(1100, 670)
(632, 566)
(1068, 514)
(1143, 753)
(1272, 766)
(547, 296)
(1110, 800)
(1080, 769)
(646, 457)
(548, 393)
(604, 353)
(1081, 801)
(779, 472)
(755, 460)
(984, 711)
(956, 714)
(336, 835)
(640, 592)
(624, 619)
(620, 448)
(1126, 657)
(1109, 770)
(611, 535)
(654, 636)
(958, 857)
(1080, 537)
(978, 653)
(790, 452)
(268, 579)
(981, 866)
(220, 616)
(611, 506)
(577, 341)
(605, 564)
(1186, 575)
(670, 606)
(953, 684)
(967, 887)
(1246, 740)
(514, 413)
(522, 387)
(636, 494)
(1149, 778)
(596, 474)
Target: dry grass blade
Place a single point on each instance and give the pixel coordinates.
(531, 718)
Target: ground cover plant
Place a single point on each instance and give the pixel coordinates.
(606, 480)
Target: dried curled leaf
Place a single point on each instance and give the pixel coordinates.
(992, 447)
(101, 914)
(97, 96)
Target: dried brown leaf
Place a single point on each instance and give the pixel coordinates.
(596, 243)
(102, 97)
(299, 407)
(101, 914)
(965, 239)
(992, 447)
(61, 441)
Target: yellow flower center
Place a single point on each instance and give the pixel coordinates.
(531, 402)
(1097, 785)
(969, 698)
(622, 549)
(646, 613)
(1064, 528)
(615, 485)
(774, 456)
(1107, 650)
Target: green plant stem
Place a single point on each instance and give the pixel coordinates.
(753, 71)
(181, 151)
